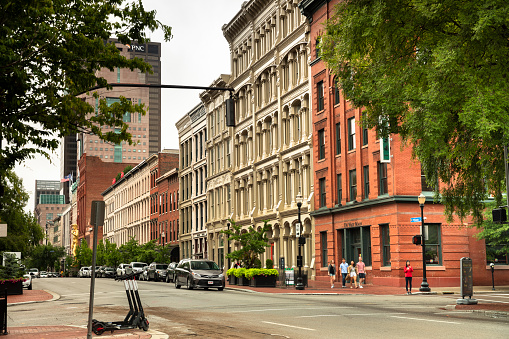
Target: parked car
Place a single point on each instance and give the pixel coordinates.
(84, 272)
(108, 272)
(44, 274)
(144, 274)
(28, 282)
(34, 272)
(98, 271)
(199, 273)
(170, 272)
(124, 269)
(138, 266)
(157, 271)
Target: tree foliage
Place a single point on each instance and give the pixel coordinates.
(23, 231)
(45, 257)
(84, 254)
(50, 52)
(252, 242)
(436, 73)
(11, 268)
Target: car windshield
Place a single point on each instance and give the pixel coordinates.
(108, 269)
(204, 265)
(139, 265)
(161, 267)
(33, 270)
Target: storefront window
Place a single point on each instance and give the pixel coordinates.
(386, 244)
(433, 247)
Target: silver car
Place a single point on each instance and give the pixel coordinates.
(199, 273)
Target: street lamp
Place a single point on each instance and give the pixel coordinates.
(301, 239)
(227, 239)
(424, 285)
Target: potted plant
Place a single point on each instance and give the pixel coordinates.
(240, 273)
(232, 278)
(11, 275)
(262, 277)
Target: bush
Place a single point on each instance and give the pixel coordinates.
(269, 264)
(250, 273)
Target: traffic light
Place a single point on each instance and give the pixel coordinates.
(499, 215)
(230, 112)
(416, 239)
(385, 150)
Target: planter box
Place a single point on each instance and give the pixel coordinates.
(232, 280)
(13, 288)
(242, 281)
(263, 281)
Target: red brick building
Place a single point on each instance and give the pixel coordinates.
(168, 220)
(365, 200)
(94, 177)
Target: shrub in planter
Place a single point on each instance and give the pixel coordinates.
(261, 277)
(269, 263)
(11, 275)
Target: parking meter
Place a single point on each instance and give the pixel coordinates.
(492, 266)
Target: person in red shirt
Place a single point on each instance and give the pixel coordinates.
(408, 276)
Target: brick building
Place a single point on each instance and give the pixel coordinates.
(366, 193)
(168, 220)
(94, 177)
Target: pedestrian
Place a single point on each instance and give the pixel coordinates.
(408, 276)
(361, 270)
(352, 273)
(344, 271)
(332, 273)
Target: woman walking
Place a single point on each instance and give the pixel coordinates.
(408, 276)
(332, 273)
(352, 273)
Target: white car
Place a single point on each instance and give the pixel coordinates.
(44, 274)
(137, 266)
(84, 272)
(34, 272)
(28, 282)
(124, 269)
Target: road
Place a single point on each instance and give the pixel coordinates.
(235, 314)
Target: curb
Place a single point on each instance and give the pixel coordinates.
(55, 296)
(486, 313)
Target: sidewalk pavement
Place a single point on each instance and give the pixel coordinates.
(314, 288)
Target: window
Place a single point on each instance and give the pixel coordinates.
(382, 178)
(323, 194)
(317, 48)
(338, 138)
(319, 89)
(493, 255)
(336, 95)
(365, 170)
(340, 188)
(424, 184)
(323, 242)
(433, 253)
(364, 130)
(386, 245)
(228, 154)
(353, 185)
(351, 134)
(321, 144)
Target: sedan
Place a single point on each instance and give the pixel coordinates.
(170, 272)
(199, 273)
(28, 282)
(44, 274)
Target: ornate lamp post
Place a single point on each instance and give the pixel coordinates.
(299, 285)
(424, 285)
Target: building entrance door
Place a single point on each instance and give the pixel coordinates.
(357, 242)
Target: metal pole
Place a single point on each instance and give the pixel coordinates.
(492, 276)
(506, 166)
(299, 285)
(424, 284)
(92, 286)
(227, 239)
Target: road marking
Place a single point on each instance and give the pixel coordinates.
(342, 315)
(300, 328)
(436, 321)
(286, 309)
(494, 301)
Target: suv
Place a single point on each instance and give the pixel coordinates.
(34, 272)
(199, 273)
(84, 272)
(137, 266)
(170, 272)
(124, 269)
(157, 272)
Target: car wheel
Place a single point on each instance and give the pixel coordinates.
(167, 279)
(220, 288)
(177, 284)
(189, 284)
(156, 278)
(30, 286)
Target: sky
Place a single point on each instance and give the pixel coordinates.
(197, 55)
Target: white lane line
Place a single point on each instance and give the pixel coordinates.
(300, 328)
(286, 309)
(267, 309)
(435, 321)
(343, 315)
(493, 301)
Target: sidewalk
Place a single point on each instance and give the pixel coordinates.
(64, 331)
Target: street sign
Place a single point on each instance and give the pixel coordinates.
(415, 219)
(297, 230)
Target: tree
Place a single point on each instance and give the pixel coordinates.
(111, 254)
(44, 257)
(23, 231)
(51, 51)
(496, 235)
(252, 242)
(130, 251)
(11, 268)
(84, 254)
(436, 73)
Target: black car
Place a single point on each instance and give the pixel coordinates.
(199, 273)
(157, 271)
(170, 272)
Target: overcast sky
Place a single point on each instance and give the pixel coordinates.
(197, 55)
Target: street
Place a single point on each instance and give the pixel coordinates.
(236, 314)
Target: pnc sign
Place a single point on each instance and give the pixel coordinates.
(136, 48)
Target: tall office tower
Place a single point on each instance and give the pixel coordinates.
(68, 162)
(146, 129)
(46, 187)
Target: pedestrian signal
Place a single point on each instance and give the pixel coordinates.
(416, 239)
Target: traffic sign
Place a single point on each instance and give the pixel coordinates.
(415, 219)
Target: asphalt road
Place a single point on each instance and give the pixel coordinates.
(235, 314)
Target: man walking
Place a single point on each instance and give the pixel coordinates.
(344, 271)
(361, 270)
